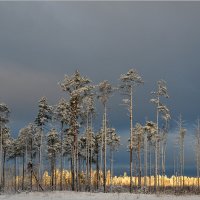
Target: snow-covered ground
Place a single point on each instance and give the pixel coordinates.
(92, 196)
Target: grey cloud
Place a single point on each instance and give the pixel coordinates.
(41, 41)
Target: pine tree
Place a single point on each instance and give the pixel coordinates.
(23, 151)
(6, 142)
(77, 88)
(129, 82)
(181, 137)
(160, 108)
(197, 151)
(4, 115)
(150, 130)
(113, 141)
(137, 141)
(62, 113)
(104, 91)
(43, 117)
(87, 115)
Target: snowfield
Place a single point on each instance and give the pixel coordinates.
(92, 196)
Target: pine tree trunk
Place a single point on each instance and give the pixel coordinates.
(87, 153)
(23, 172)
(75, 172)
(55, 174)
(158, 165)
(149, 166)
(111, 167)
(4, 161)
(145, 159)
(1, 152)
(198, 152)
(105, 135)
(61, 158)
(72, 171)
(139, 164)
(40, 172)
(156, 171)
(15, 171)
(52, 173)
(97, 164)
(76, 166)
(31, 179)
(131, 132)
(90, 177)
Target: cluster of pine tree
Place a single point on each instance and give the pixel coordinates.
(66, 130)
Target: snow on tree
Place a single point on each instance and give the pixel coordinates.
(77, 87)
(43, 117)
(27, 145)
(44, 112)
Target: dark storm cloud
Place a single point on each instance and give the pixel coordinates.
(42, 41)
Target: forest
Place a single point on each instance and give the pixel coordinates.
(61, 150)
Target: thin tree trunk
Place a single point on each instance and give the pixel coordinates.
(90, 178)
(15, 171)
(72, 171)
(156, 171)
(52, 173)
(1, 153)
(77, 166)
(139, 162)
(149, 166)
(31, 181)
(61, 158)
(23, 172)
(87, 153)
(97, 164)
(131, 145)
(55, 174)
(145, 159)
(4, 161)
(105, 135)
(40, 174)
(111, 168)
(156, 147)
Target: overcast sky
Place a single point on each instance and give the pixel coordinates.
(42, 41)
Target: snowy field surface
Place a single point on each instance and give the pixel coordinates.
(92, 196)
